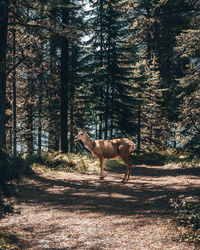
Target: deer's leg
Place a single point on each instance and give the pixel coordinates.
(127, 174)
(102, 162)
(128, 168)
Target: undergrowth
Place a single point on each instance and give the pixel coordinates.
(187, 214)
(67, 162)
(87, 163)
(160, 158)
(8, 241)
(11, 169)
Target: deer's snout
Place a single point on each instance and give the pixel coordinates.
(76, 138)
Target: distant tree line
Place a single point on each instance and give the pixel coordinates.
(116, 67)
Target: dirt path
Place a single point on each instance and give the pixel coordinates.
(77, 211)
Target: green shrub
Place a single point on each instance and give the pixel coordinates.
(152, 158)
(166, 157)
(115, 165)
(29, 159)
(68, 162)
(188, 215)
(11, 168)
(8, 241)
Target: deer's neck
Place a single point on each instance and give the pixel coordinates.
(89, 143)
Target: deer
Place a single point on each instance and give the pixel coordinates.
(108, 149)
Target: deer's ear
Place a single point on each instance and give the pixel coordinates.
(78, 129)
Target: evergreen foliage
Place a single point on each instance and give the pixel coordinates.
(119, 68)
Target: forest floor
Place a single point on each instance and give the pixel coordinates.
(59, 210)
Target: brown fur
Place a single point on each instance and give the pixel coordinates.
(109, 149)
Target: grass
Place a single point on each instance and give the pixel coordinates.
(187, 214)
(67, 162)
(87, 163)
(8, 241)
(160, 158)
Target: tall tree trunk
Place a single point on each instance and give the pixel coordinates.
(139, 130)
(107, 110)
(101, 65)
(72, 94)
(30, 129)
(14, 106)
(101, 34)
(39, 138)
(107, 87)
(30, 140)
(72, 127)
(100, 126)
(53, 140)
(39, 135)
(64, 87)
(3, 45)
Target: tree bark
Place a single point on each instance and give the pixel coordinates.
(14, 106)
(139, 130)
(3, 45)
(72, 94)
(64, 88)
(53, 140)
(30, 128)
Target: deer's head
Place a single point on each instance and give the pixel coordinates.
(82, 134)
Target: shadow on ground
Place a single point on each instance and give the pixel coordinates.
(160, 170)
(144, 194)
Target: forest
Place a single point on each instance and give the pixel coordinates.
(116, 67)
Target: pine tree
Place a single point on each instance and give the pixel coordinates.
(3, 46)
(53, 92)
(64, 102)
(189, 88)
(161, 22)
(111, 67)
(39, 92)
(72, 69)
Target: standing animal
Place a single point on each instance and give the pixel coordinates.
(109, 149)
